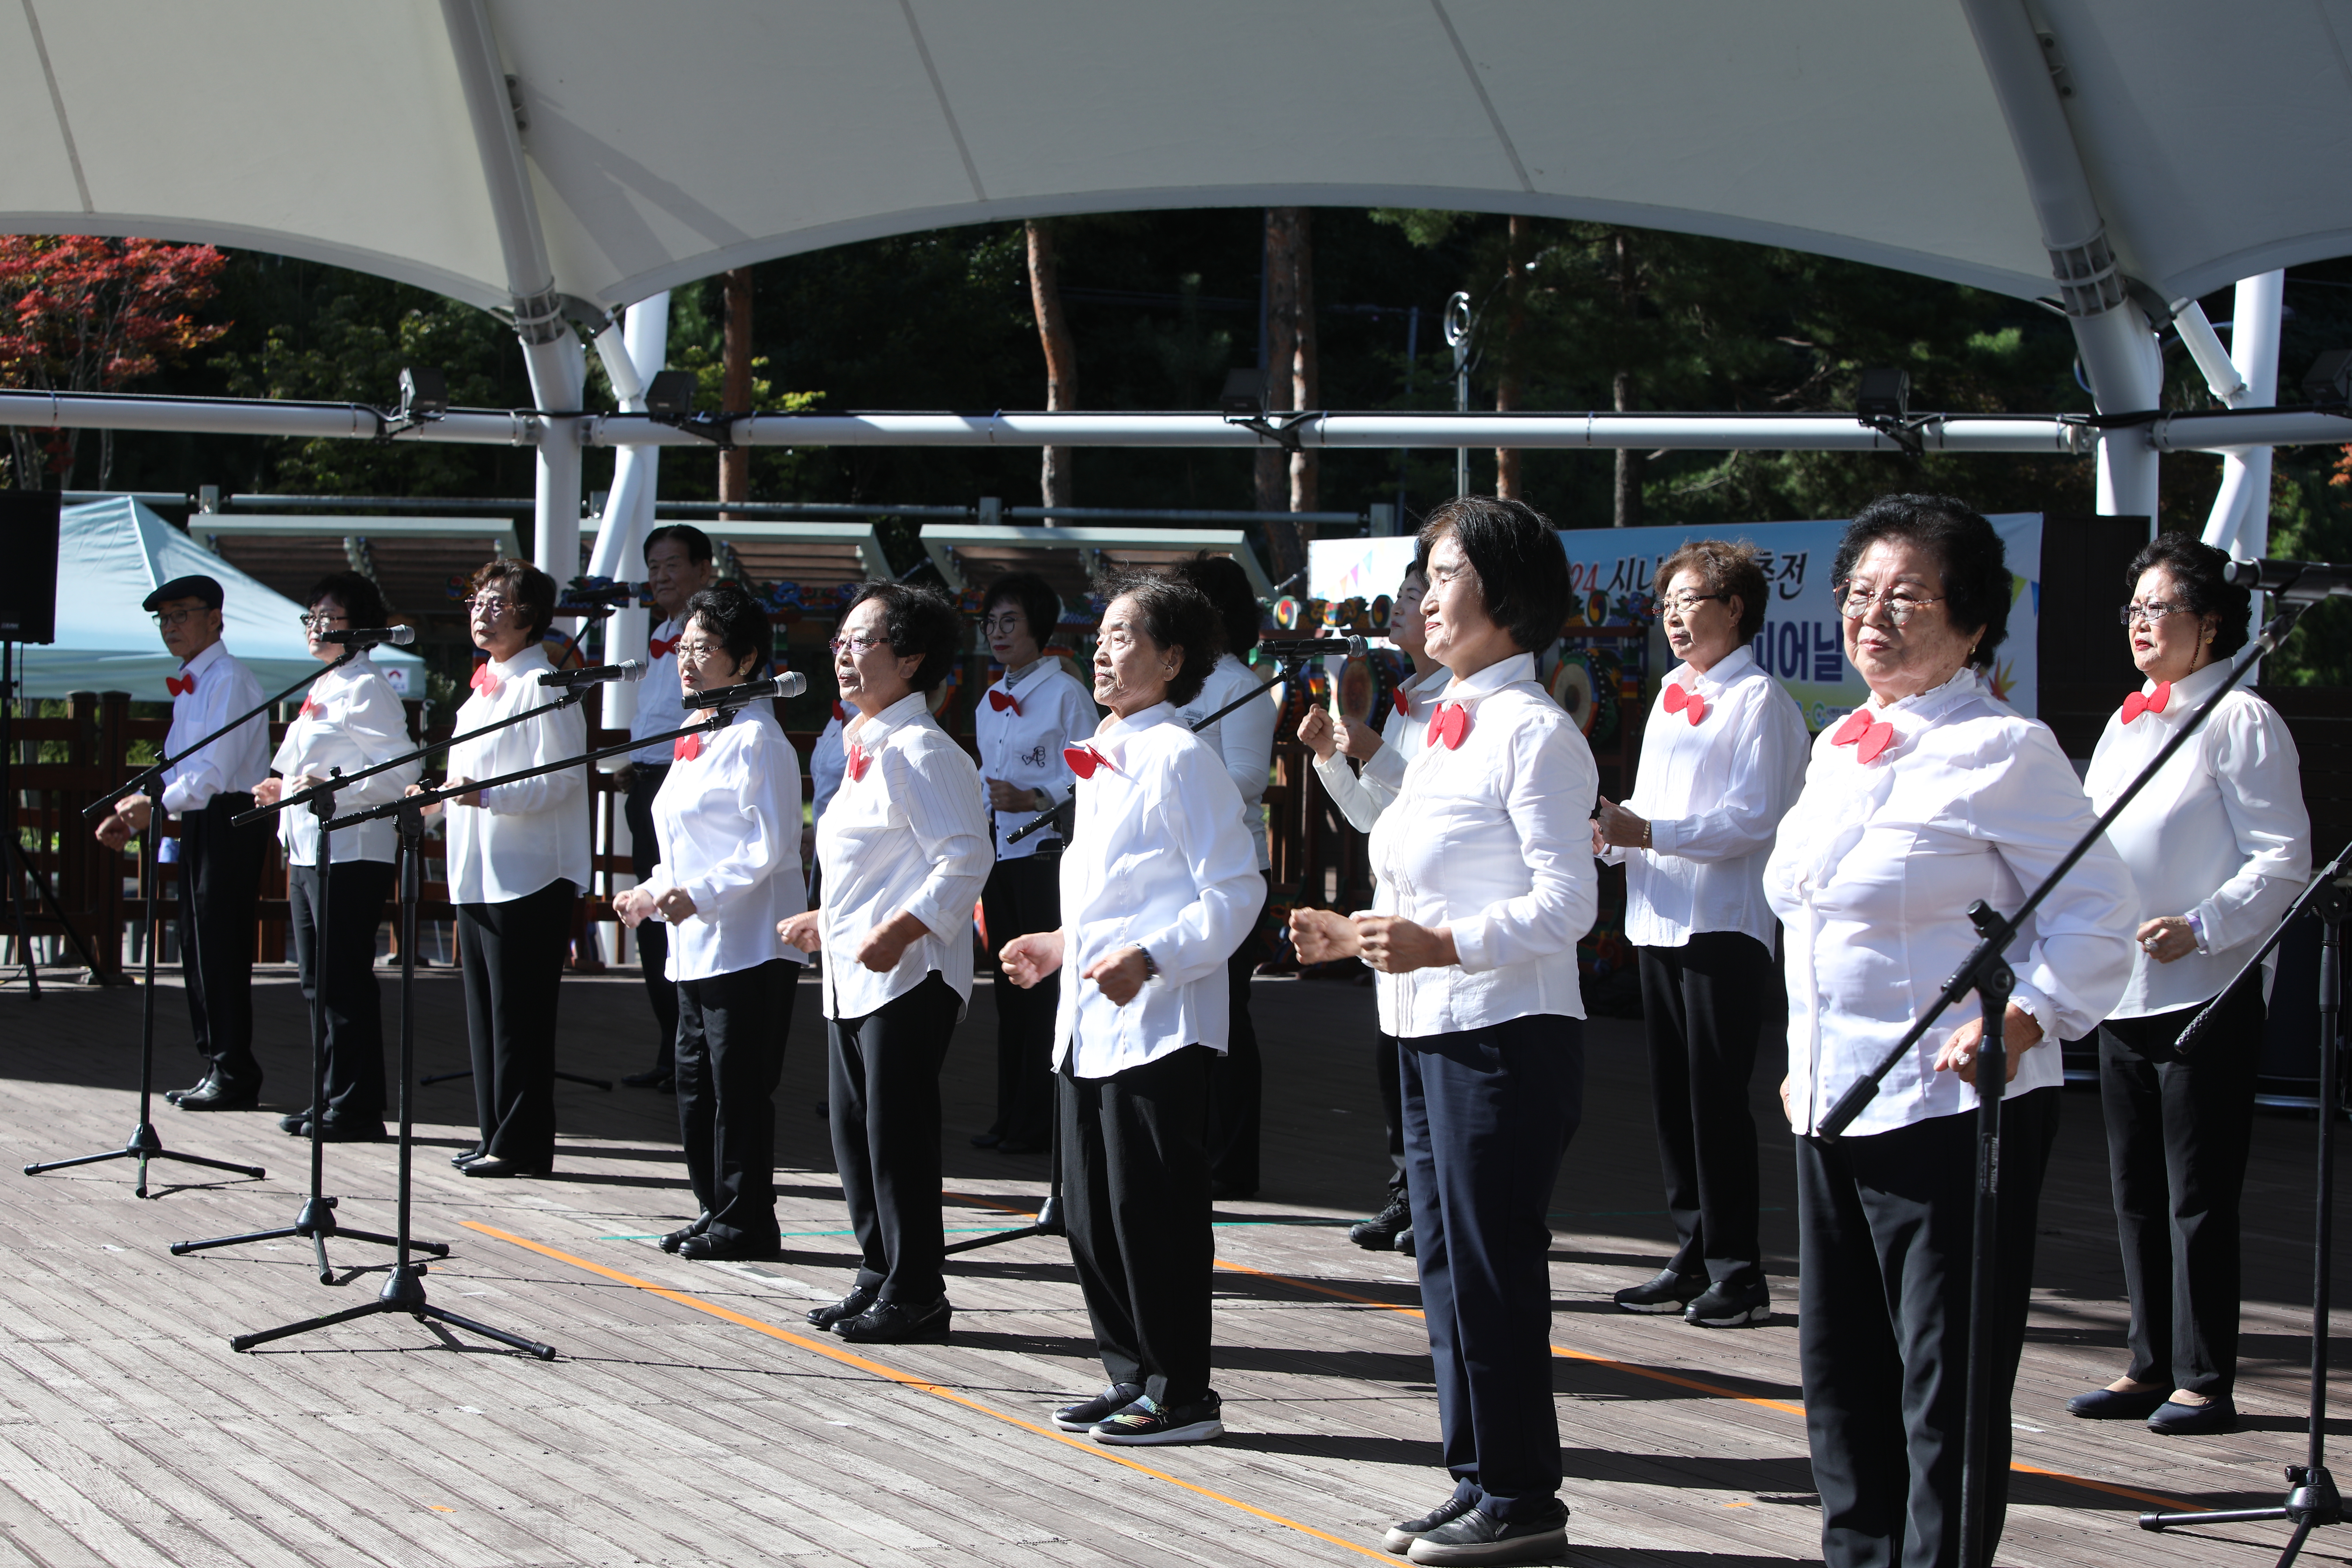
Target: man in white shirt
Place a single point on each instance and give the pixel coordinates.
(219, 866)
(678, 565)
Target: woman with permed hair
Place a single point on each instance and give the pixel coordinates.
(904, 853)
(2219, 845)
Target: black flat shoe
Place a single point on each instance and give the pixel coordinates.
(895, 1323)
(465, 1157)
(213, 1097)
(352, 1133)
(706, 1246)
(295, 1126)
(986, 1139)
(849, 1307)
(2116, 1404)
(499, 1165)
(651, 1078)
(2219, 1414)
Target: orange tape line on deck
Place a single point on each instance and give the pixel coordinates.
(908, 1380)
(1695, 1384)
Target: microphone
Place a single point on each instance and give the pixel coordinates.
(2296, 579)
(792, 683)
(565, 680)
(399, 636)
(1300, 648)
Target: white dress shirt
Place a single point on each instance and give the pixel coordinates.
(1493, 840)
(1362, 795)
(909, 835)
(827, 759)
(1713, 794)
(1243, 738)
(532, 832)
(661, 702)
(2220, 834)
(1873, 875)
(1159, 860)
(1025, 748)
(351, 720)
(230, 766)
(728, 823)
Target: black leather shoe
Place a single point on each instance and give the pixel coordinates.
(1664, 1292)
(703, 1246)
(849, 1307)
(214, 1096)
(2219, 1414)
(895, 1323)
(499, 1165)
(465, 1157)
(297, 1125)
(651, 1078)
(1380, 1233)
(678, 1238)
(2116, 1404)
(1729, 1305)
(174, 1096)
(334, 1131)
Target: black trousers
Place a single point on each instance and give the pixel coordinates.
(1237, 1078)
(513, 957)
(351, 903)
(220, 897)
(1487, 1115)
(1386, 1071)
(2178, 1130)
(882, 1092)
(652, 936)
(1703, 1009)
(1886, 1225)
(1135, 1197)
(1023, 895)
(732, 1030)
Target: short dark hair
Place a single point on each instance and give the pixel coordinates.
(533, 590)
(918, 621)
(696, 543)
(361, 600)
(1522, 570)
(1975, 566)
(2198, 569)
(1033, 596)
(1724, 568)
(1222, 582)
(727, 611)
(1175, 614)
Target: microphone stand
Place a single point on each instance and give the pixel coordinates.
(144, 1145)
(2312, 1498)
(316, 1222)
(1988, 973)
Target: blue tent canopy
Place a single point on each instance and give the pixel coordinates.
(111, 554)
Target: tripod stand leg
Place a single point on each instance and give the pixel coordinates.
(513, 1342)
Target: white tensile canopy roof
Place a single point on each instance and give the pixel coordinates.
(665, 143)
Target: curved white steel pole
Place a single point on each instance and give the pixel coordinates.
(2240, 521)
(620, 552)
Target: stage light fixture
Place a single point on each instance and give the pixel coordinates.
(2329, 379)
(1245, 394)
(670, 395)
(423, 391)
(1883, 395)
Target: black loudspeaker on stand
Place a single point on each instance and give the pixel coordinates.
(28, 599)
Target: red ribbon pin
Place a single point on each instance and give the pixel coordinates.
(2152, 702)
(860, 759)
(1404, 703)
(1448, 725)
(659, 648)
(311, 708)
(1002, 701)
(1085, 760)
(1681, 701)
(484, 681)
(180, 686)
(686, 748)
(1868, 736)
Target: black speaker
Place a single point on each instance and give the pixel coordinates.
(28, 565)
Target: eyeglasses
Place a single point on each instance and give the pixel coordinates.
(696, 652)
(1684, 603)
(2152, 612)
(488, 605)
(1855, 601)
(322, 622)
(1011, 624)
(854, 646)
(172, 620)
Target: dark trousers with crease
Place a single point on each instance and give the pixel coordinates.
(732, 1030)
(882, 1092)
(1022, 897)
(2179, 1131)
(1887, 1229)
(1703, 1009)
(1488, 1114)
(1135, 1197)
(1237, 1078)
(652, 936)
(351, 903)
(1386, 1071)
(220, 896)
(512, 953)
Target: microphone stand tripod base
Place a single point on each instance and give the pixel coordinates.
(316, 1223)
(144, 1144)
(1047, 1223)
(402, 1293)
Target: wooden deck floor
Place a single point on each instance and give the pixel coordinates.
(692, 1418)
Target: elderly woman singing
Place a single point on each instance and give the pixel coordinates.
(1930, 796)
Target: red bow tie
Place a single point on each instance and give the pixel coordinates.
(180, 686)
(840, 714)
(860, 759)
(1404, 703)
(686, 748)
(1085, 760)
(1002, 700)
(659, 648)
(1868, 736)
(2153, 703)
(1679, 701)
(310, 708)
(484, 681)
(1448, 725)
